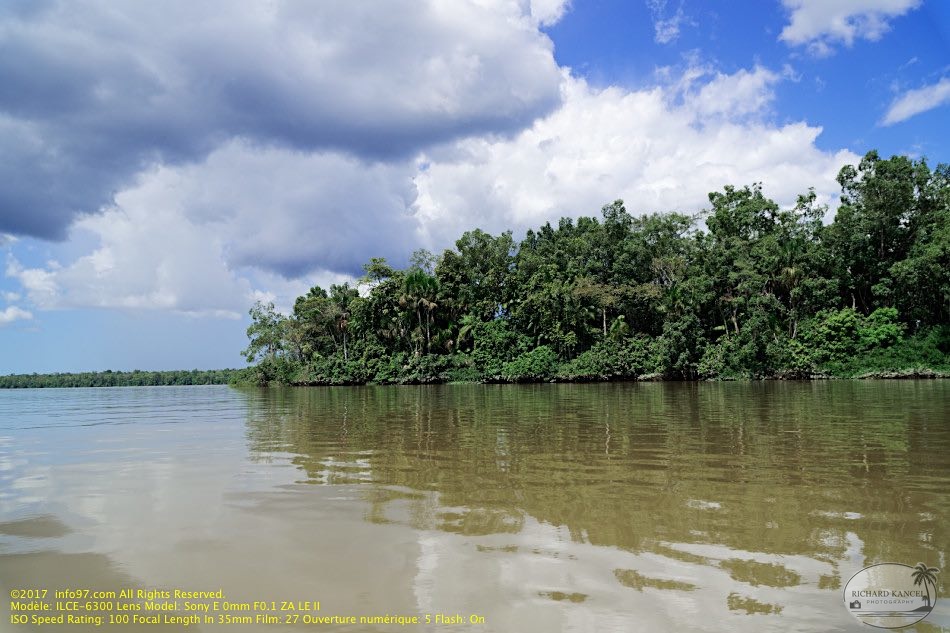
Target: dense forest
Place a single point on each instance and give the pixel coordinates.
(746, 289)
(135, 378)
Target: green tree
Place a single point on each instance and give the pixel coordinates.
(759, 290)
(873, 228)
(342, 300)
(475, 278)
(421, 290)
(922, 279)
(266, 332)
(267, 336)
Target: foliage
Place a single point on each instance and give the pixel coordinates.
(719, 360)
(927, 351)
(539, 364)
(832, 336)
(136, 378)
(881, 328)
(266, 333)
(753, 290)
(626, 359)
(678, 347)
(496, 343)
(746, 290)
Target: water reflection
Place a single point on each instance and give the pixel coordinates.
(698, 507)
(727, 499)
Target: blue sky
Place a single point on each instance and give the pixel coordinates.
(847, 90)
(165, 166)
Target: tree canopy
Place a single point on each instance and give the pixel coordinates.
(136, 378)
(745, 289)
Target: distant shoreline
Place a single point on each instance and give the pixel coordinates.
(134, 378)
(243, 377)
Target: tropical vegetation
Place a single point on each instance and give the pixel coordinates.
(746, 289)
(136, 378)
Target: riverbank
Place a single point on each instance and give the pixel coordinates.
(922, 373)
(135, 378)
(748, 290)
(924, 355)
(250, 377)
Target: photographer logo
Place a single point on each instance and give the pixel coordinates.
(892, 595)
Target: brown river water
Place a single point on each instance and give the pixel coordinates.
(536, 508)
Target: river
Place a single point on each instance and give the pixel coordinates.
(537, 508)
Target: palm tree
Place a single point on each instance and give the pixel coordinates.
(467, 325)
(619, 329)
(341, 300)
(925, 576)
(420, 291)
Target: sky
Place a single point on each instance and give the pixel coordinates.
(165, 165)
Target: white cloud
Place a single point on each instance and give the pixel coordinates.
(113, 87)
(820, 24)
(286, 211)
(667, 28)
(10, 297)
(548, 12)
(13, 313)
(659, 149)
(914, 102)
(198, 239)
(144, 261)
(734, 96)
(283, 292)
(253, 222)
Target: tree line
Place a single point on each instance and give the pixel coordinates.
(136, 378)
(745, 289)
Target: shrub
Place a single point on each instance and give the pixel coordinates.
(539, 364)
(627, 358)
(718, 360)
(832, 336)
(387, 369)
(678, 348)
(927, 350)
(333, 370)
(496, 343)
(881, 329)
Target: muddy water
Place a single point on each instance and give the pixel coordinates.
(623, 507)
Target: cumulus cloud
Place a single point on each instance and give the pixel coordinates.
(914, 102)
(659, 149)
(196, 158)
(282, 292)
(96, 93)
(13, 313)
(251, 222)
(285, 211)
(548, 12)
(821, 24)
(143, 263)
(196, 239)
(741, 94)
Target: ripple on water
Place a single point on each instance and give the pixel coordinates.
(543, 507)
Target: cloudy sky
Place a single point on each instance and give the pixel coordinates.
(163, 165)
